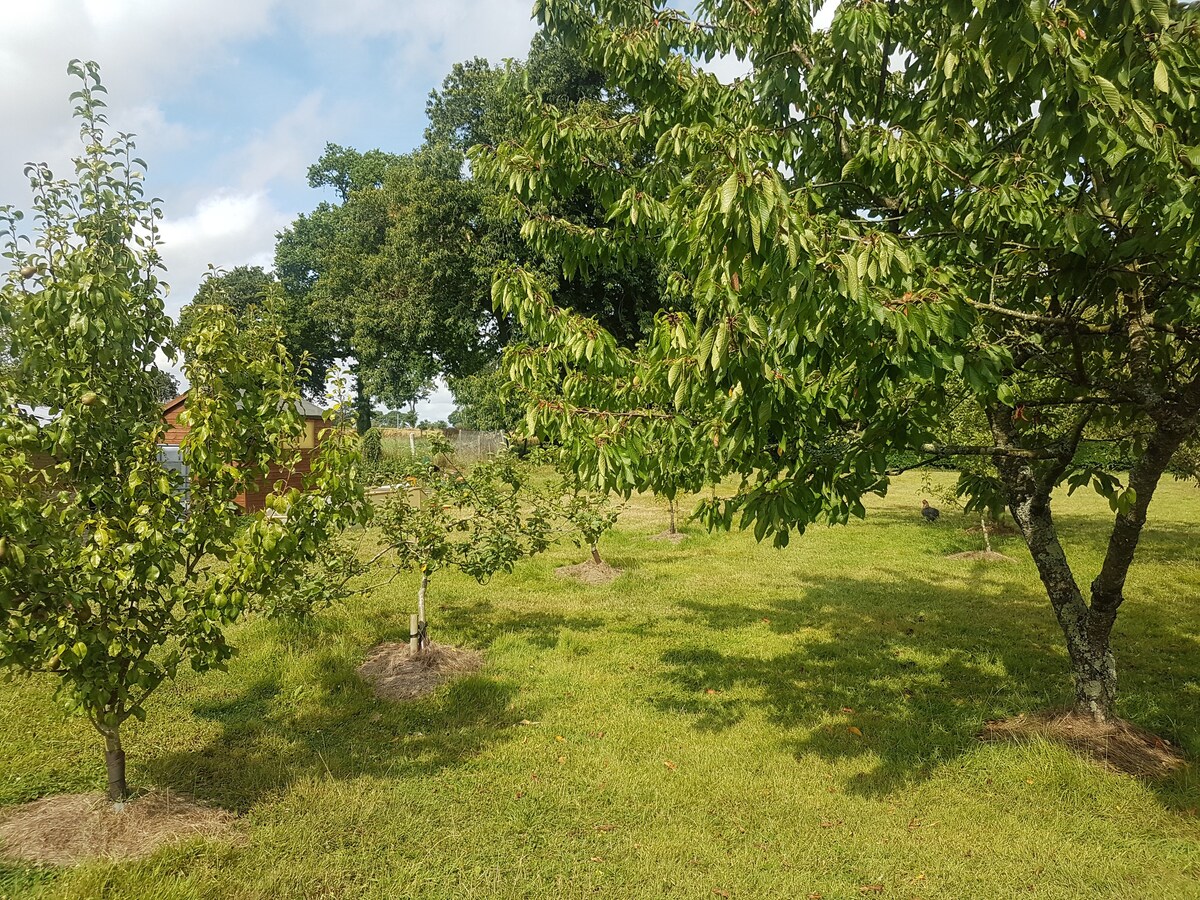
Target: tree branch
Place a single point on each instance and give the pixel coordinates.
(944, 450)
(1043, 320)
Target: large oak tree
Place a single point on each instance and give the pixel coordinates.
(398, 270)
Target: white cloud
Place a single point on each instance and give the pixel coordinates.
(429, 35)
(226, 229)
(285, 149)
(154, 53)
(147, 49)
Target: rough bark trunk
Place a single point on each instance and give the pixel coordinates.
(987, 538)
(1086, 626)
(1093, 667)
(1108, 588)
(671, 508)
(596, 555)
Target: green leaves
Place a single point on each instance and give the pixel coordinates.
(859, 268)
(1111, 95)
(729, 192)
(1161, 11)
(1162, 81)
(480, 520)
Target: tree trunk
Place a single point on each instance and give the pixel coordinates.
(1093, 668)
(362, 404)
(1094, 671)
(987, 538)
(422, 627)
(671, 509)
(596, 555)
(114, 761)
(1108, 589)
(1086, 626)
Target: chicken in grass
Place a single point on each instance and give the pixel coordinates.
(930, 513)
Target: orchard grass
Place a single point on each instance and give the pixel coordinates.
(725, 719)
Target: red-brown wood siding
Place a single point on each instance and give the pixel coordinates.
(255, 499)
(175, 431)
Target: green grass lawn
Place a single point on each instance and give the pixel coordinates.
(684, 732)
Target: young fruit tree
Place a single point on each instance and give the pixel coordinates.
(589, 515)
(922, 207)
(481, 521)
(673, 472)
(115, 570)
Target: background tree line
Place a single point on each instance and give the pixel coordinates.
(394, 274)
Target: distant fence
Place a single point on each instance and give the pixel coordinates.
(467, 444)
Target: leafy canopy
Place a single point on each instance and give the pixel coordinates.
(926, 207)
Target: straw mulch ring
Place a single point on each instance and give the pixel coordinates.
(72, 828)
(675, 537)
(1117, 745)
(982, 556)
(395, 674)
(590, 572)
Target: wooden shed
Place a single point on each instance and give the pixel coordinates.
(255, 499)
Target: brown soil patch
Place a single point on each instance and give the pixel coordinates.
(1117, 745)
(590, 572)
(394, 674)
(71, 828)
(984, 555)
(676, 537)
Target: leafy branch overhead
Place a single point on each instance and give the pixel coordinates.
(940, 230)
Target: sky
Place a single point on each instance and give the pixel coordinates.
(232, 100)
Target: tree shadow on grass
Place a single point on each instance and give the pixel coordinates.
(916, 666)
(335, 728)
(481, 623)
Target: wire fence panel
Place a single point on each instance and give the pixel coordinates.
(468, 445)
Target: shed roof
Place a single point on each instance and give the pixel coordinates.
(306, 408)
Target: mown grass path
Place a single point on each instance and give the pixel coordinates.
(724, 720)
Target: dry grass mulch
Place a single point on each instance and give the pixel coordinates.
(395, 674)
(590, 572)
(71, 828)
(981, 555)
(1117, 745)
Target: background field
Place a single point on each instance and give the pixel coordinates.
(684, 732)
